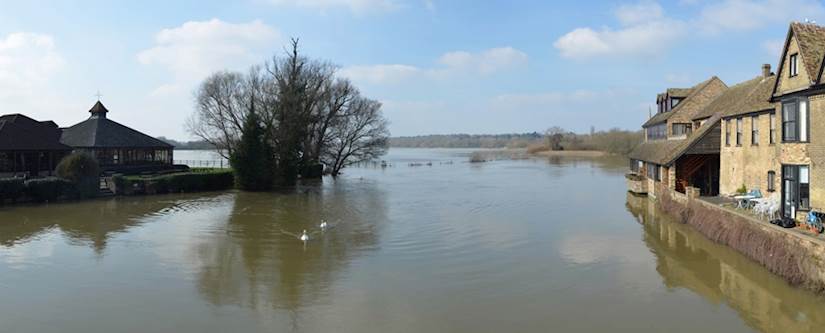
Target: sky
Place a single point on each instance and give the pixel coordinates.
(438, 66)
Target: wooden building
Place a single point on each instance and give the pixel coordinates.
(116, 146)
(29, 147)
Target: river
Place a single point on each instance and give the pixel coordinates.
(534, 245)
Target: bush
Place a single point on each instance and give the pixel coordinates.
(83, 171)
(11, 188)
(252, 159)
(742, 190)
(48, 189)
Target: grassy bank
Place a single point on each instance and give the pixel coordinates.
(197, 180)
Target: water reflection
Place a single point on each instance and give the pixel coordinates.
(685, 259)
(252, 264)
(91, 223)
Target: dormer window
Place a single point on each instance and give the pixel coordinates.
(674, 102)
(793, 69)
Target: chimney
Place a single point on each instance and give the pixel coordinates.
(766, 70)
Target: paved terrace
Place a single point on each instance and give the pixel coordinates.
(729, 204)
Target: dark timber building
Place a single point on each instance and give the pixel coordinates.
(29, 147)
(116, 146)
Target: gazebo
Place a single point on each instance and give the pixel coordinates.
(114, 145)
(29, 147)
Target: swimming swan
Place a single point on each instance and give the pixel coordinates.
(304, 237)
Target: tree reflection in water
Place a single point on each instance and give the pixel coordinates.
(253, 264)
(686, 259)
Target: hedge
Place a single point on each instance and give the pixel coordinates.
(48, 189)
(175, 183)
(11, 189)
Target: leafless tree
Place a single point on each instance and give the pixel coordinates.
(360, 136)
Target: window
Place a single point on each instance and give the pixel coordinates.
(681, 129)
(771, 181)
(674, 102)
(653, 172)
(739, 131)
(795, 189)
(793, 65)
(657, 132)
(795, 120)
(755, 130)
(727, 132)
(773, 128)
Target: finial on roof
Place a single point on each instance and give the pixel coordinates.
(98, 110)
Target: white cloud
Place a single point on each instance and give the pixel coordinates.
(631, 14)
(356, 6)
(28, 61)
(748, 15)
(452, 64)
(646, 30)
(429, 5)
(198, 48)
(642, 39)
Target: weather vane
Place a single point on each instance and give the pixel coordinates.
(98, 95)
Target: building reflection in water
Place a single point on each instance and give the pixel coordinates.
(92, 222)
(253, 264)
(686, 259)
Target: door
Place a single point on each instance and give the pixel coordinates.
(790, 187)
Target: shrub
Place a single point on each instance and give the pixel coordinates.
(83, 171)
(220, 179)
(742, 190)
(11, 188)
(47, 189)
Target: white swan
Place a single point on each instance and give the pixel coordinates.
(323, 225)
(304, 236)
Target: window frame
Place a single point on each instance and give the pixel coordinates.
(793, 63)
(771, 181)
(727, 132)
(739, 131)
(772, 126)
(755, 130)
(798, 120)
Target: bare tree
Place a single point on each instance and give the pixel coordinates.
(361, 136)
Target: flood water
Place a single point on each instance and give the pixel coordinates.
(508, 246)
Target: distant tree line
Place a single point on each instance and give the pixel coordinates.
(613, 141)
(191, 145)
(278, 122)
(467, 140)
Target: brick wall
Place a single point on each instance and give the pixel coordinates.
(786, 82)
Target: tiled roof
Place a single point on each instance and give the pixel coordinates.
(687, 105)
(746, 97)
(18, 132)
(99, 131)
(811, 40)
(665, 152)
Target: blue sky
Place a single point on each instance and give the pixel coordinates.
(438, 66)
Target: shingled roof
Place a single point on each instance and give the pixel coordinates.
(18, 132)
(811, 40)
(100, 132)
(685, 106)
(746, 97)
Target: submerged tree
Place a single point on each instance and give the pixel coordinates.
(301, 106)
(360, 136)
(252, 158)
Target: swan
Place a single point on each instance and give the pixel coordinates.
(323, 225)
(304, 236)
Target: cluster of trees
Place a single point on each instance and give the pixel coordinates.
(613, 141)
(467, 141)
(281, 120)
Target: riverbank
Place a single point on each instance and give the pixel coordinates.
(796, 258)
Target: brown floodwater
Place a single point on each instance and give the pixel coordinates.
(507, 246)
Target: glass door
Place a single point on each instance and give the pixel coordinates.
(790, 187)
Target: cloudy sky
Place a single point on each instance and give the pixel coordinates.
(438, 66)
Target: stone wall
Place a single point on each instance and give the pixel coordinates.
(749, 164)
(786, 82)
